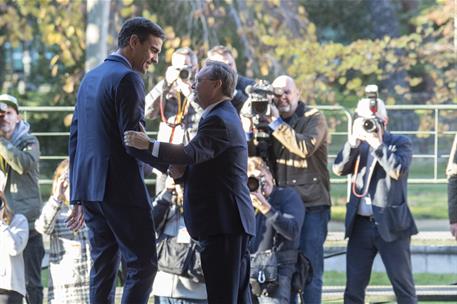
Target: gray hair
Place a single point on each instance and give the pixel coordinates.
(224, 73)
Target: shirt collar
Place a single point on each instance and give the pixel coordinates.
(210, 107)
(118, 53)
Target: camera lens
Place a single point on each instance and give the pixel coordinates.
(370, 125)
(184, 74)
(253, 183)
(260, 106)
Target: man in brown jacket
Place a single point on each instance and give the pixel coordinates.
(297, 156)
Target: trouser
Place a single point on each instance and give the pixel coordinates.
(127, 230)
(226, 266)
(364, 243)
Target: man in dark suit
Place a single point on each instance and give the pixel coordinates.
(106, 177)
(217, 207)
(224, 54)
(378, 219)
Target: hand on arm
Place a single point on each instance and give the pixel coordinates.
(135, 139)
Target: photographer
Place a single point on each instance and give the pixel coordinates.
(297, 155)
(377, 218)
(279, 218)
(19, 158)
(171, 101)
(170, 285)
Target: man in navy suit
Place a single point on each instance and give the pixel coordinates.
(106, 177)
(217, 207)
(378, 219)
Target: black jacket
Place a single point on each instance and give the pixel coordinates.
(298, 155)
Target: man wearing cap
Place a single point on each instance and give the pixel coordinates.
(19, 157)
(378, 219)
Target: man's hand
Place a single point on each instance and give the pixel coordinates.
(454, 230)
(136, 139)
(75, 220)
(274, 113)
(374, 139)
(260, 202)
(176, 171)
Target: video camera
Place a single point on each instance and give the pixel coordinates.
(260, 95)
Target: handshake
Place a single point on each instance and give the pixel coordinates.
(370, 130)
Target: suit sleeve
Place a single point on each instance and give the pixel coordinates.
(305, 142)
(395, 159)
(129, 103)
(211, 140)
(345, 160)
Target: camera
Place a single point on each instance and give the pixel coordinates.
(185, 72)
(372, 124)
(254, 183)
(260, 95)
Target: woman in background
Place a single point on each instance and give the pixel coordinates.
(14, 234)
(69, 257)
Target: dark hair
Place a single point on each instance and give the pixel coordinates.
(141, 27)
(223, 72)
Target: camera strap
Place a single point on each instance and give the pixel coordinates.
(179, 117)
(366, 185)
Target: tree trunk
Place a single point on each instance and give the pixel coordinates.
(96, 32)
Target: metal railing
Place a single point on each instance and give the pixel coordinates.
(341, 111)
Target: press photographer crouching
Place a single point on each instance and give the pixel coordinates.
(279, 218)
(180, 276)
(378, 219)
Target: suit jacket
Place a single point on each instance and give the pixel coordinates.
(387, 187)
(216, 197)
(110, 101)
